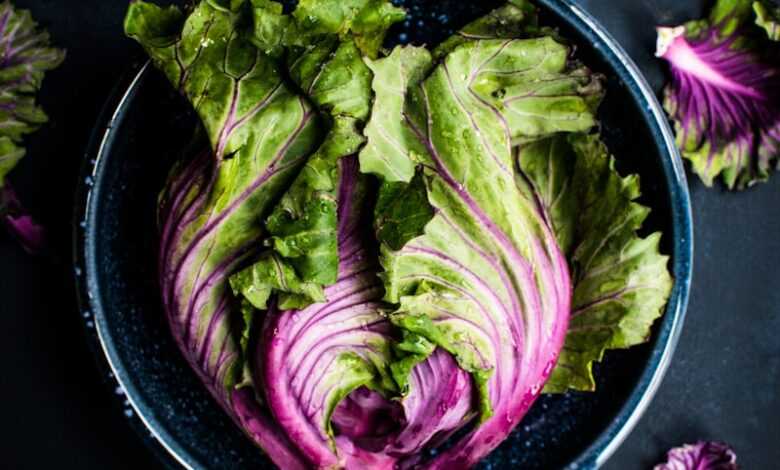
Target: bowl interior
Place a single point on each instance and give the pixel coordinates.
(133, 155)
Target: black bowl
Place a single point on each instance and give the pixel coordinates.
(142, 132)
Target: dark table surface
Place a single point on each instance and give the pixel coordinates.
(57, 413)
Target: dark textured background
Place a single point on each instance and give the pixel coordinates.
(55, 411)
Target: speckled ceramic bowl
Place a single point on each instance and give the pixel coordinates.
(133, 148)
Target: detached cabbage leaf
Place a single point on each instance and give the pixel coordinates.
(621, 282)
(486, 281)
(26, 57)
(725, 94)
(700, 456)
(19, 223)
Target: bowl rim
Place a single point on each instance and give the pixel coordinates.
(669, 328)
(672, 322)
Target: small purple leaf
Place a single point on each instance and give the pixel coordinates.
(700, 456)
(19, 223)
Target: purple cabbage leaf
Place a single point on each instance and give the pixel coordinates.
(621, 281)
(310, 359)
(700, 456)
(724, 95)
(260, 133)
(26, 57)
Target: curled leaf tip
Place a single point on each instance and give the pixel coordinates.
(666, 36)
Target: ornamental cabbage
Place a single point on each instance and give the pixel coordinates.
(378, 258)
